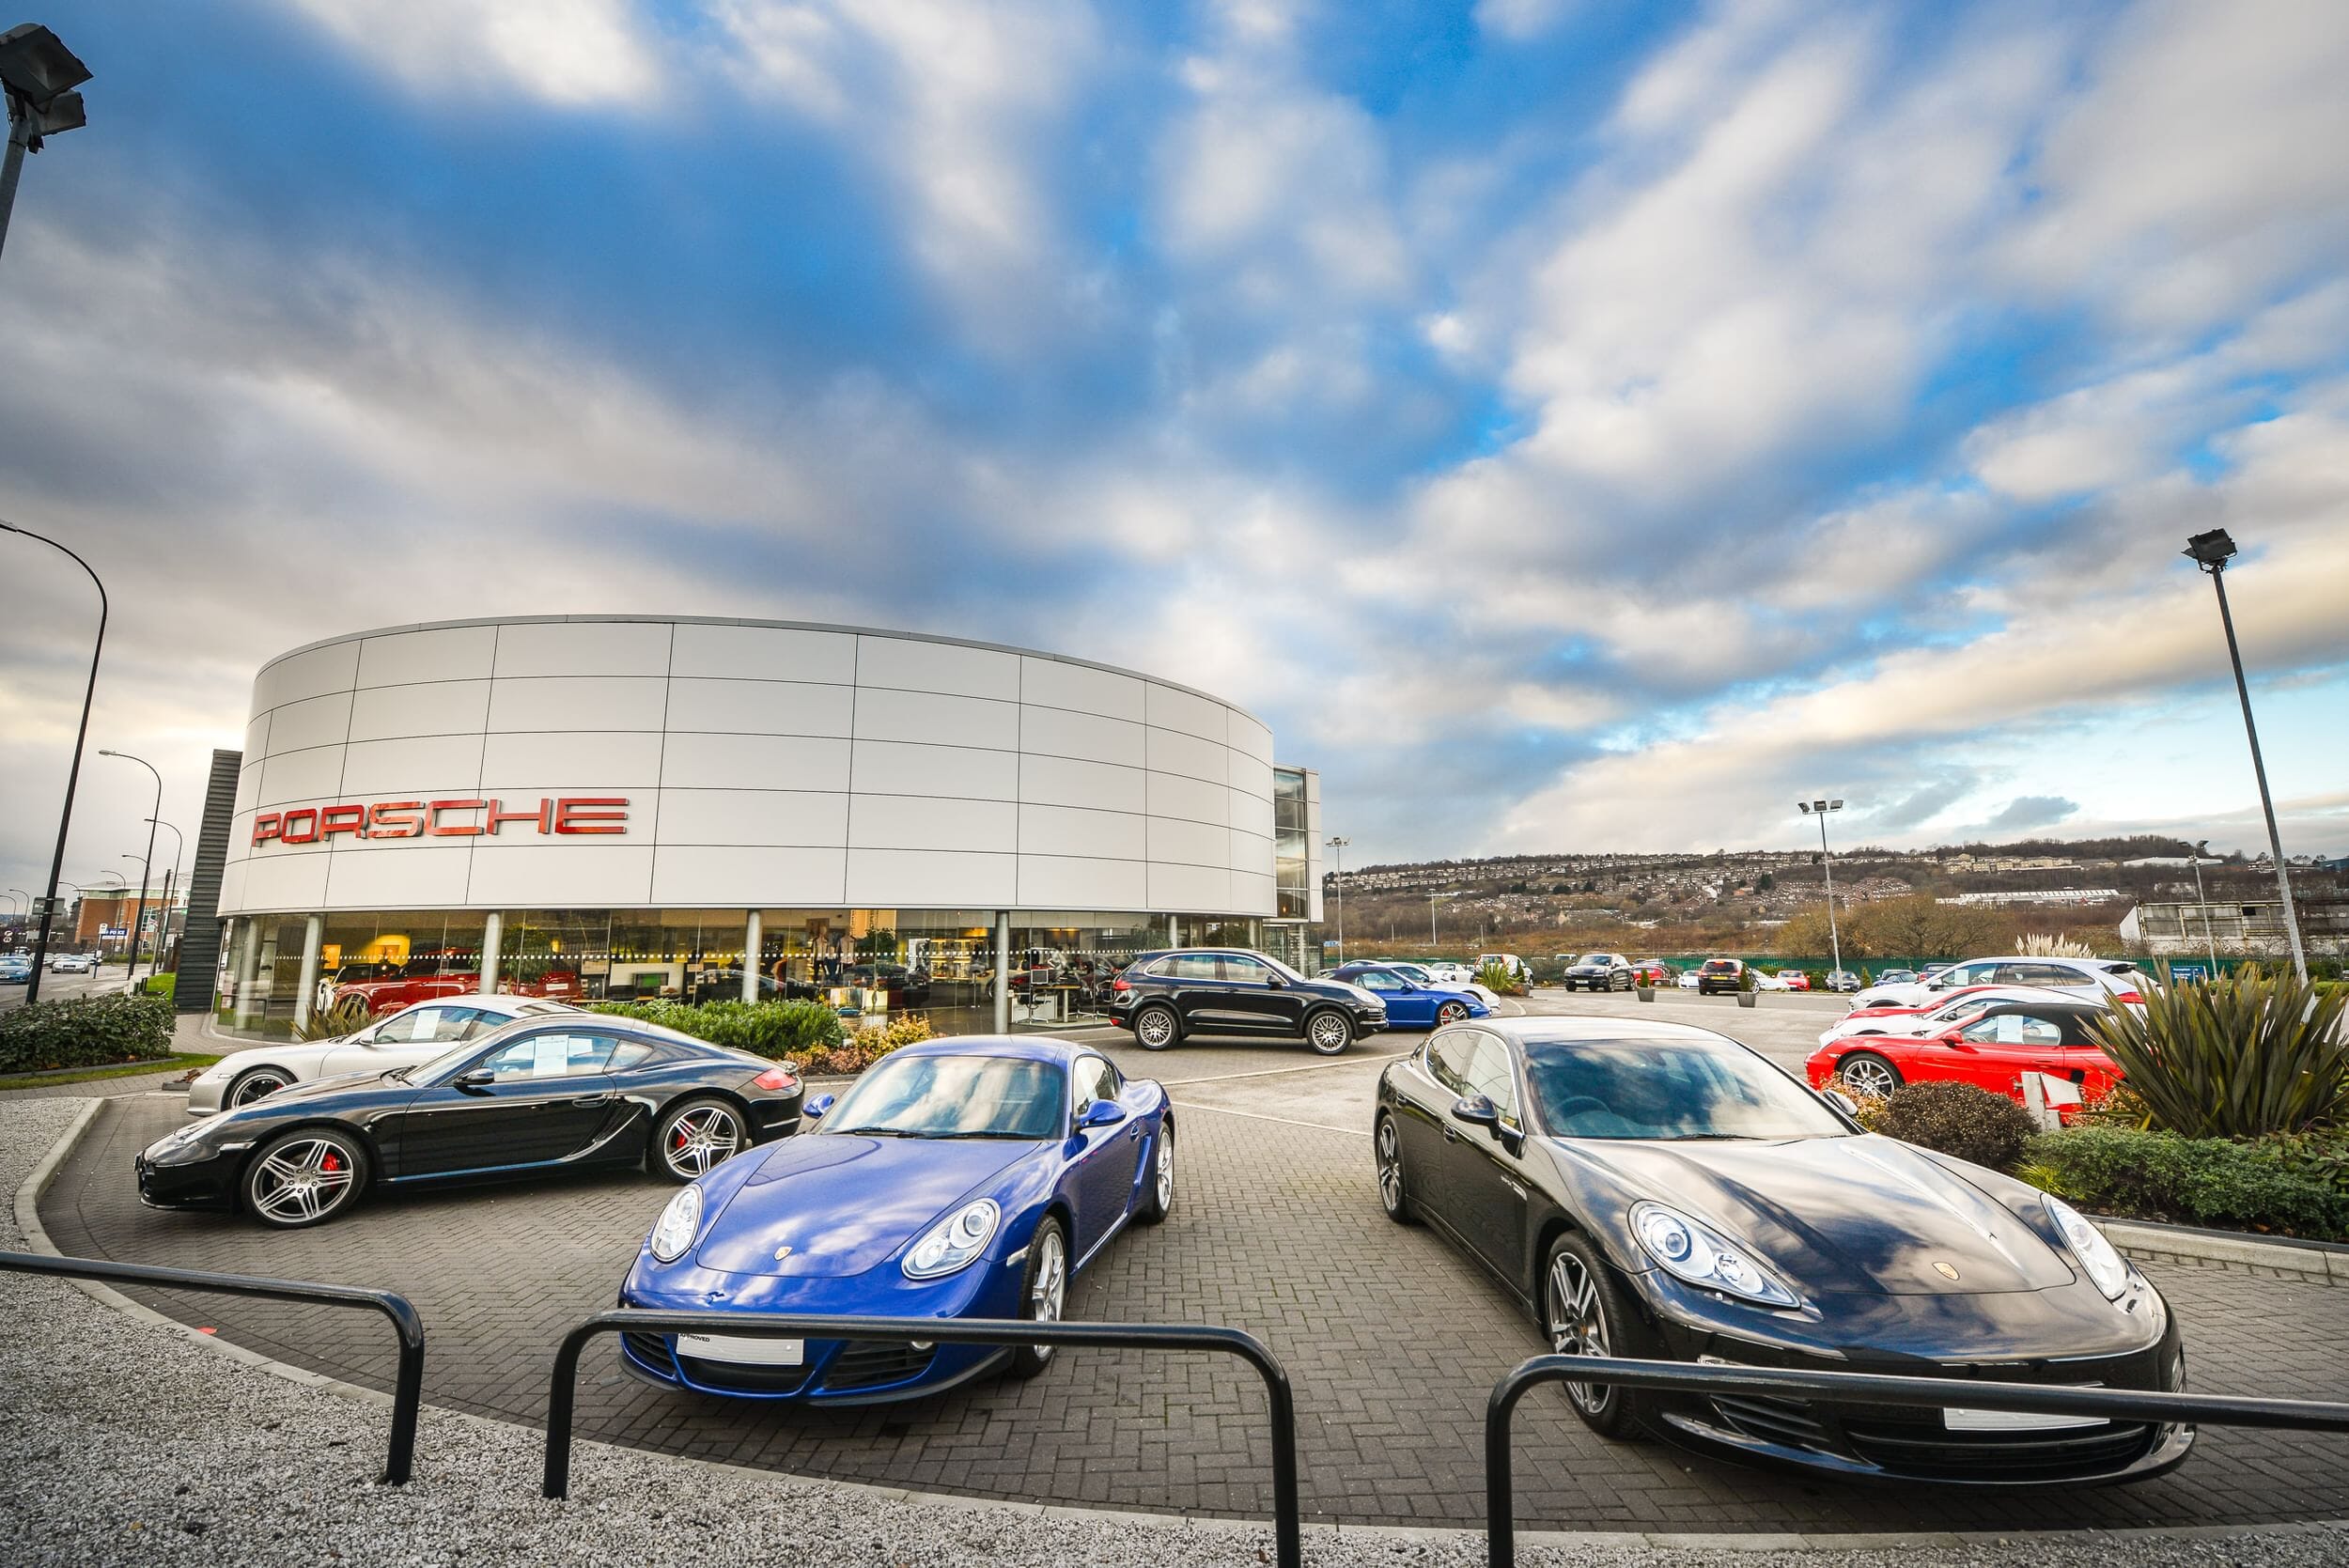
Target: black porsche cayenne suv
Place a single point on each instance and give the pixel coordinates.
(1165, 995)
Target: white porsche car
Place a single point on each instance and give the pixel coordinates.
(409, 1037)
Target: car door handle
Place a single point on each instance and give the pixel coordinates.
(1450, 1135)
(1133, 1132)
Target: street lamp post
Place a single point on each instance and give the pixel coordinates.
(1431, 920)
(2211, 552)
(1826, 862)
(146, 865)
(2203, 904)
(38, 74)
(171, 878)
(1339, 845)
(74, 774)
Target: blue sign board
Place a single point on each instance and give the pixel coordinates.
(2189, 972)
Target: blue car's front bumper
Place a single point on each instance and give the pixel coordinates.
(832, 1372)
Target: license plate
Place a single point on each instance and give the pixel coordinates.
(2015, 1420)
(744, 1349)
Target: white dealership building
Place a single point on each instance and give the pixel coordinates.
(616, 806)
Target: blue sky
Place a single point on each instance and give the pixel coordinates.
(1571, 424)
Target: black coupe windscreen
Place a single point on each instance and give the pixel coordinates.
(954, 1097)
(1668, 1089)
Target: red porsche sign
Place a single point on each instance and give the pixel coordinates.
(575, 814)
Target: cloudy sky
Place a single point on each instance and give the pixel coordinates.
(1568, 422)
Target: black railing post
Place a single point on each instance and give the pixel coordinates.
(1288, 1526)
(407, 1389)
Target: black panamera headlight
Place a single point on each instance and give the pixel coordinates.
(1690, 1251)
(2104, 1263)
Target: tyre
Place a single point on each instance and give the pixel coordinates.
(1394, 1193)
(694, 1137)
(304, 1177)
(1157, 1027)
(1328, 1031)
(1868, 1075)
(1451, 1013)
(1043, 1291)
(1159, 1195)
(1585, 1313)
(251, 1086)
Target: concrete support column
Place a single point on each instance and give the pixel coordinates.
(1174, 930)
(248, 967)
(1002, 971)
(492, 949)
(753, 940)
(305, 996)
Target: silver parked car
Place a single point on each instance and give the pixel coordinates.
(2086, 979)
(408, 1039)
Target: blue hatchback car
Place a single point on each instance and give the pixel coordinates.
(1413, 1001)
(972, 1176)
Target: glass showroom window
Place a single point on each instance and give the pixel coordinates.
(264, 975)
(1063, 961)
(544, 951)
(683, 954)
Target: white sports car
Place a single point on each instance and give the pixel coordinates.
(408, 1039)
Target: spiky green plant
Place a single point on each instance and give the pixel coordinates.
(2242, 1056)
(347, 1017)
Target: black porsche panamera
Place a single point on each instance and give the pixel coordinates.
(1660, 1191)
(539, 1096)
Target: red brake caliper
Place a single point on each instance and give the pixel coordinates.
(332, 1162)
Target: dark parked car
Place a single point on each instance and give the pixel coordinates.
(1662, 1192)
(542, 1095)
(1165, 995)
(1600, 971)
(1724, 975)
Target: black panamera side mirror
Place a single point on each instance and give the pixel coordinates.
(1477, 1111)
(478, 1077)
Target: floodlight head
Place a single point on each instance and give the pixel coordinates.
(1835, 805)
(1803, 806)
(60, 114)
(2211, 550)
(37, 67)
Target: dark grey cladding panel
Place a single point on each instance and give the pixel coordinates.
(200, 946)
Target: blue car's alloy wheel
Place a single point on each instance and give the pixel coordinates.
(1451, 1013)
(1161, 1196)
(1044, 1293)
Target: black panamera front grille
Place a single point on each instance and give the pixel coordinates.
(873, 1364)
(1769, 1419)
(1930, 1451)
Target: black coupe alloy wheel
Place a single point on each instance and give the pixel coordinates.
(1393, 1197)
(307, 1177)
(698, 1137)
(1584, 1313)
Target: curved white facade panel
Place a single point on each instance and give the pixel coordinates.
(540, 762)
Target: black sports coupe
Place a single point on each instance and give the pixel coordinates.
(540, 1095)
(1660, 1191)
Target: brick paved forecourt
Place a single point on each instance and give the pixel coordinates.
(1391, 1340)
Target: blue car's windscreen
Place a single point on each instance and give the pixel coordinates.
(1668, 1089)
(956, 1097)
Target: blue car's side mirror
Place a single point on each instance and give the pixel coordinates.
(1102, 1114)
(818, 1106)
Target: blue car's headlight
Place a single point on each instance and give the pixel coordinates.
(1687, 1251)
(673, 1232)
(954, 1242)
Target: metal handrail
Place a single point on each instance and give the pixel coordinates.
(1856, 1388)
(408, 1388)
(1288, 1530)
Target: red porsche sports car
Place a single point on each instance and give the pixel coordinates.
(1992, 1050)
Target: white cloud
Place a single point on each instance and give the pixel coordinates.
(574, 53)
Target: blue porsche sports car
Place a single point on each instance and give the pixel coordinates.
(964, 1177)
(1413, 1001)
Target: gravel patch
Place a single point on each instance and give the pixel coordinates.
(121, 1442)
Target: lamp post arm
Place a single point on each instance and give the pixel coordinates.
(74, 774)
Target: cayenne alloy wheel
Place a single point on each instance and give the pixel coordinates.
(303, 1180)
(1329, 1032)
(1154, 1028)
(1869, 1076)
(699, 1139)
(1577, 1324)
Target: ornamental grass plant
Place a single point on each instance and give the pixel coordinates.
(2245, 1056)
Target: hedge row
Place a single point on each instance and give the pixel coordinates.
(770, 1029)
(85, 1032)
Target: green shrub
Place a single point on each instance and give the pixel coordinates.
(2289, 1184)
(770, 1029)
(2245, 1055)
(347, 1017)
(85, 1032)
(1958, 1118)
(859, 1050)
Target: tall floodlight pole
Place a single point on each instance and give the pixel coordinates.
(74, 774)
(38, 74)
(1431, 920)
(171, 878)
(1827, 861)
(1339, 845)
(2211, 552)
(2202, 903)
(146, 864)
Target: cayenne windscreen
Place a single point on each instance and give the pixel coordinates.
(953, 1097)
(1665, 1090)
